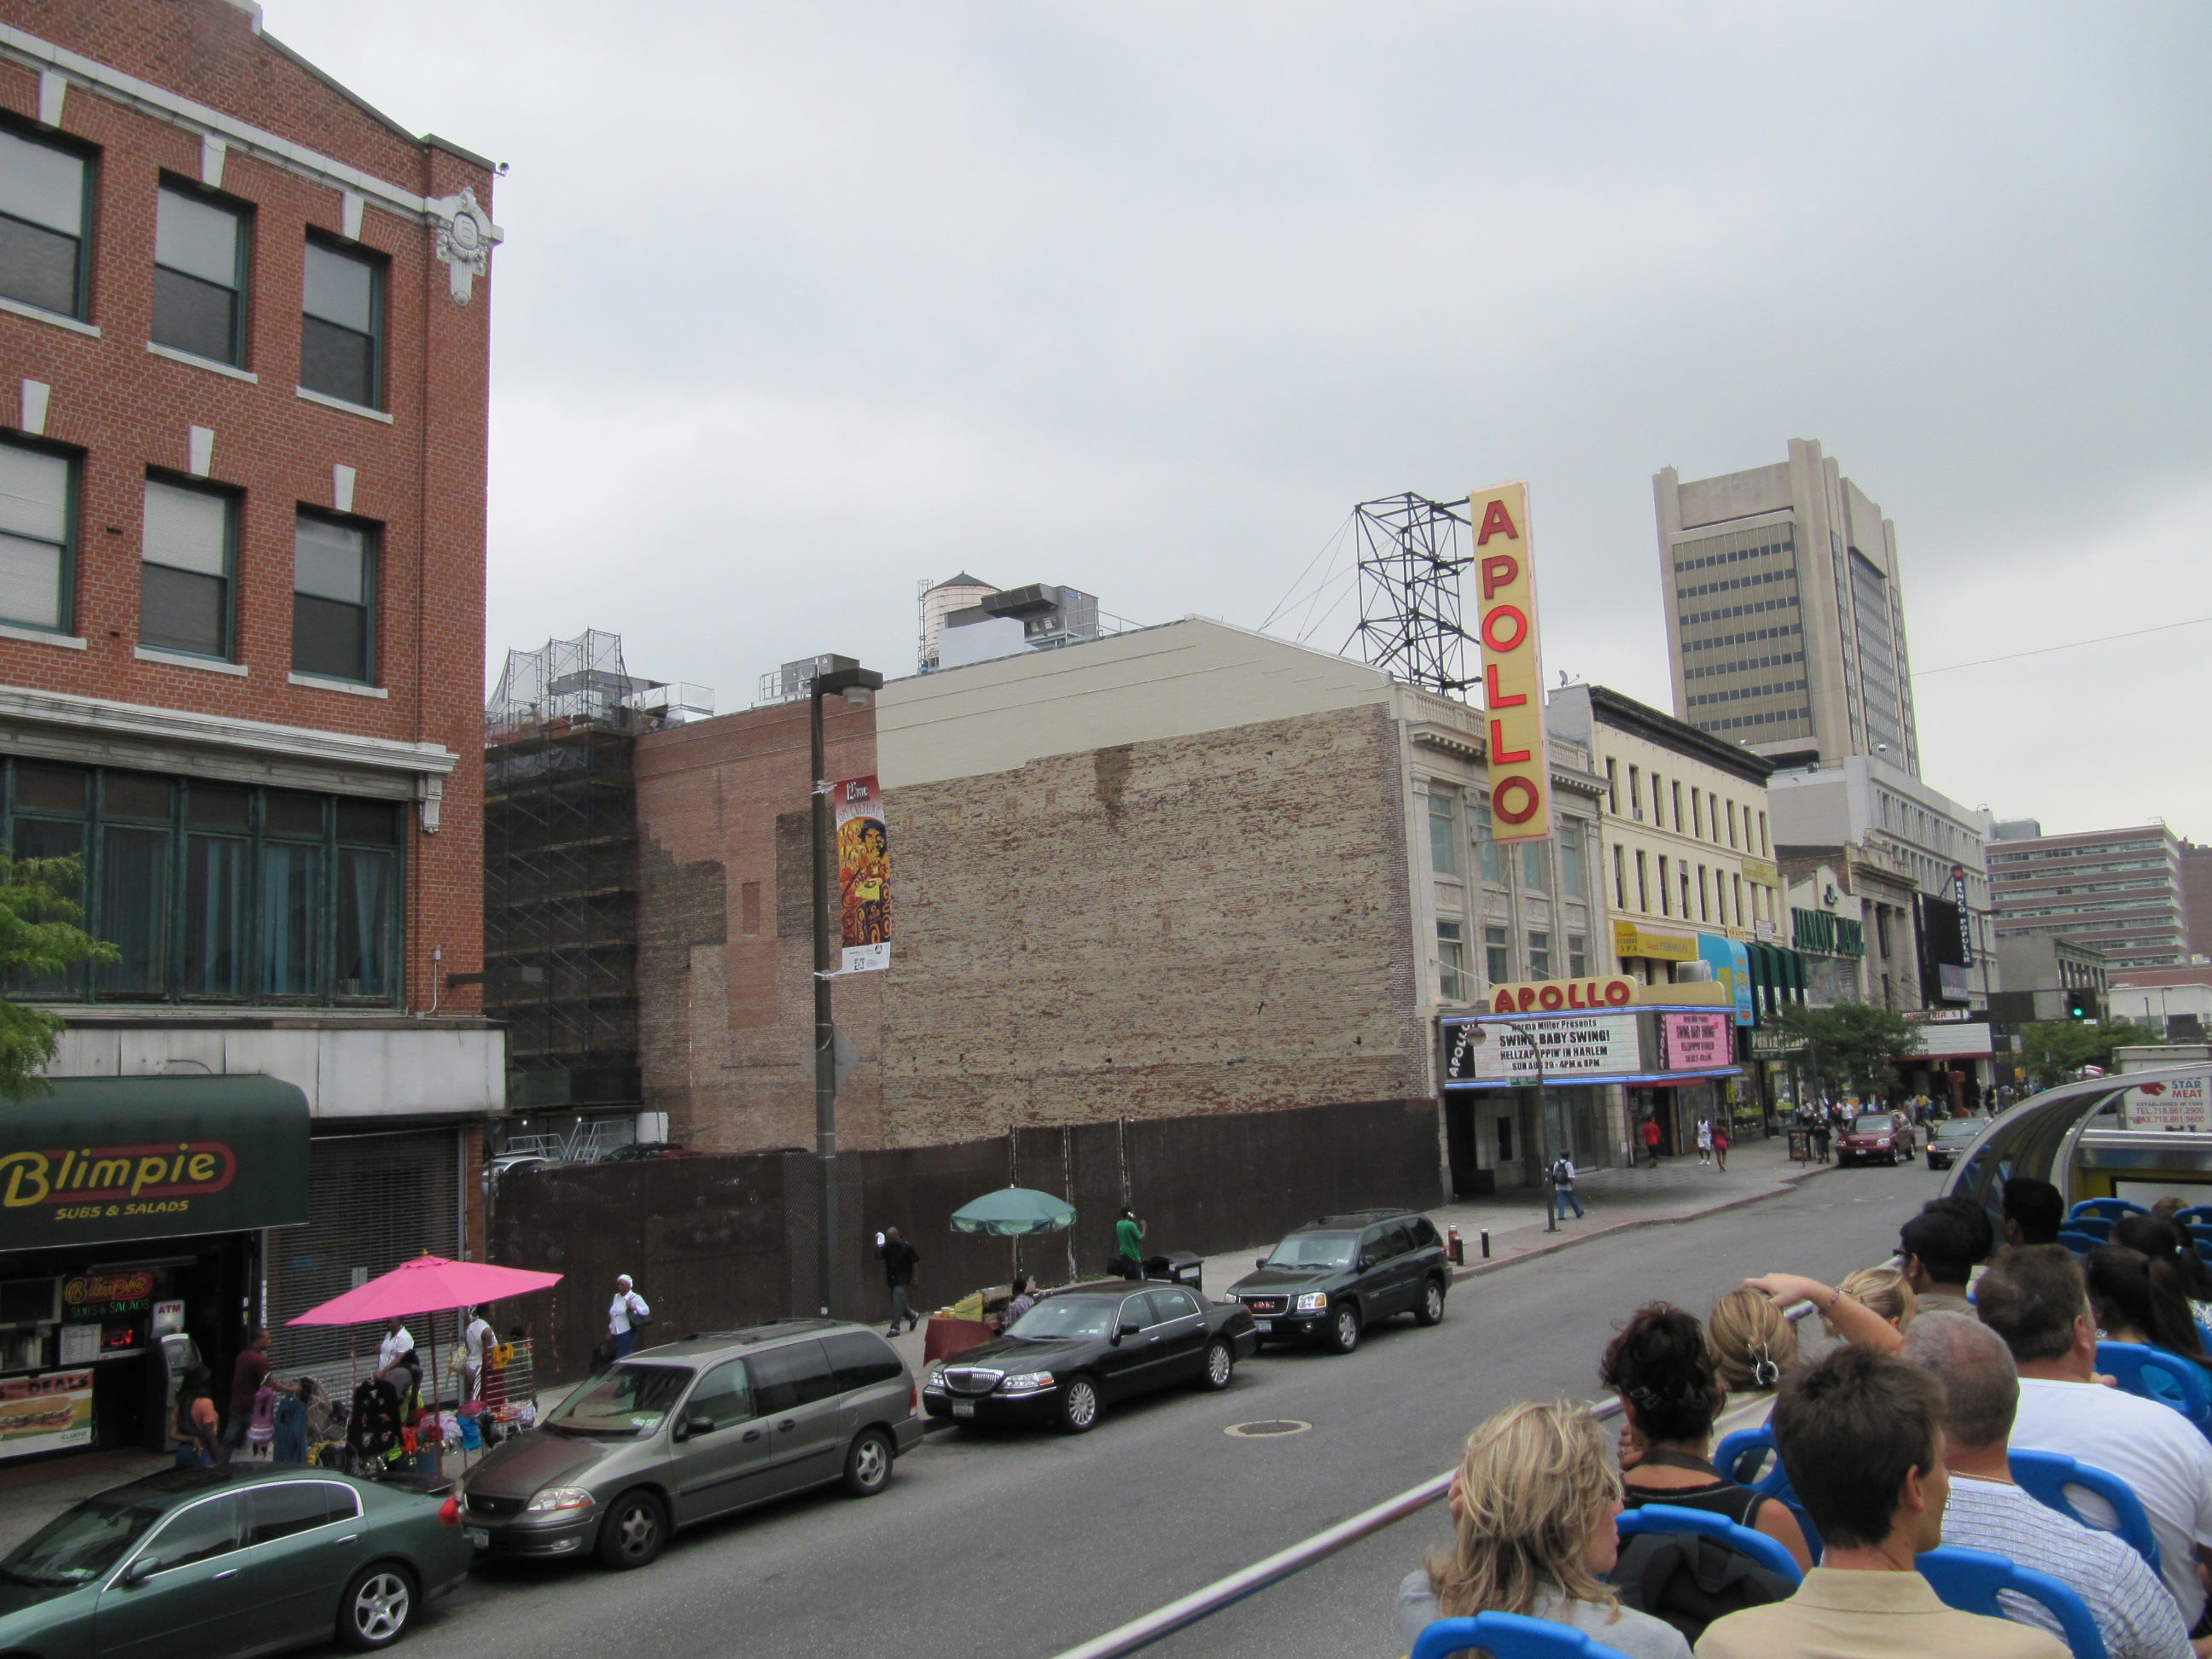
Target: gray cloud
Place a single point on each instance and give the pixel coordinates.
(802, 304)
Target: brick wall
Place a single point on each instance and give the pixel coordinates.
(421, 476)
(1214, 924)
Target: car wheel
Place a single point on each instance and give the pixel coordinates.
(1432, 1308)
(1220, 1366)
(1079, 1406)
(635, 1528)
(378, 1607)
(868, 1463)
(1344, 1328)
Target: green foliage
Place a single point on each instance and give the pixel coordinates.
(2053, 1050)
(39, 939)
(1849, 1046)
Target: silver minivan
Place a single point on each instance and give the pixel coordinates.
(693, 1429)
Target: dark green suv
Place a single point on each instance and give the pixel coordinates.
(1334, 1277)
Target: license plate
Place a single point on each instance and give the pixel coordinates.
(477, 1536)
(963, 1409)
(1265, 1324)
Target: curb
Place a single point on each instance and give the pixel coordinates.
(1790, 1183)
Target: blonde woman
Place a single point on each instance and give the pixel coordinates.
(1533, 1510)
(1754, 1345)
(1884, 1291)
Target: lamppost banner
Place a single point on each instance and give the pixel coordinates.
(864, 875)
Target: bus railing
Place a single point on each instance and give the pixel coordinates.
(1142, 1632)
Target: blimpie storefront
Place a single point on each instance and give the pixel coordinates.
(131, 1218)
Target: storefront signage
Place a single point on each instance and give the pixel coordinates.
(1512, 665)
(1953, 1041)
(2181, 1103)
(110, 1159)
(1552, 996)
(1629, 940)
(864, 875)
(1696, 1041)
(44, 1414)
(1527, 1052)
(105, 1295)
(1965, 916)
(1731, 965)
(1760, 871)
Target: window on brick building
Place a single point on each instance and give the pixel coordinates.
(185, 573)
(1497, 955)
(333, 599)
(45, 204)
(1536, 866)
(1577, 956)
(341, 325)
(1539, 954)
(1620, 878)
(1574, 869)
(199, 275)
(1451, 960)
(1444, 831)
(37, 536)
(217, 892)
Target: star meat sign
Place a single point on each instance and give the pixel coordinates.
(1513, 667)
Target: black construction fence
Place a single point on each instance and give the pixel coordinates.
(714, 1242)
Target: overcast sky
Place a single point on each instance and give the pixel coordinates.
(801, 305)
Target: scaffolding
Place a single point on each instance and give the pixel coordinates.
(1409, 563)
(561, 866)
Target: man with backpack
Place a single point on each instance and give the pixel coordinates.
(1563, 1187)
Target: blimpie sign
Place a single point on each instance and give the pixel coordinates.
(1512, 665)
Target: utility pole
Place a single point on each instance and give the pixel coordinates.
(834, 677)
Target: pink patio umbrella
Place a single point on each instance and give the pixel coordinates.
(429, 1284)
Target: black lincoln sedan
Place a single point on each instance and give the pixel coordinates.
(1084, 1347)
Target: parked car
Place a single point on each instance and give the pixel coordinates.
(1874, 1138)
(684, 1432)
(1333, 1278)
(213, 1562)
(1952, 1137)
(1085, 1347)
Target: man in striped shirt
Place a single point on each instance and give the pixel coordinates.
(1986, 1511)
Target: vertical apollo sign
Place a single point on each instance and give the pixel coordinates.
(1513, 667)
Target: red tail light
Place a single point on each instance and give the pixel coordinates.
(449, 1512)
(913, 1399)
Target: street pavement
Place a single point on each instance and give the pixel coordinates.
(1022, 1543)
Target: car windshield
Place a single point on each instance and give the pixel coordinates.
(1964, 1129)
(80, 1543)
(1314, 1250)
(1880, 1124)
(626, 1400)
(1059, 1317)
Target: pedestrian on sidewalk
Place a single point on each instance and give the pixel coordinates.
(626, 1315)
(397, 1341)
(1563, 1188)
(1129, 1245)
(899, 1258)
(1705, 1140)
(1651, 1138)
(478, 1338)
(1721, 1146)
(193, 1424)
(247, 1376)
(1820, 1136)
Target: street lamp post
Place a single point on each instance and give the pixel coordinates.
(834, 677)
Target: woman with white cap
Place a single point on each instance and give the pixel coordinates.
(624, 1314)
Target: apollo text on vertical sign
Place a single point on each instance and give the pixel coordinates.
(1512, 665)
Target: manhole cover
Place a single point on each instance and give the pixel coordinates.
(1266, 1426)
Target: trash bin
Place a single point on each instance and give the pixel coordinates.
(1178, 1268)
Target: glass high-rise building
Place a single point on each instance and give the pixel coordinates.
(1785, 616)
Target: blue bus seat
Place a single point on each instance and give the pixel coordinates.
(2155, 1374)
(1509, 1635)
(1738, 1459)
(1672, 1517)
(2110, 1209)
(2044, 1476)
(1969, 1580)
(2077, 1240)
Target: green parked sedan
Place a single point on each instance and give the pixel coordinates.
(220, 1564)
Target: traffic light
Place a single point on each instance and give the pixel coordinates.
(2081, 1004)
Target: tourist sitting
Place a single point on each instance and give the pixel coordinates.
(1885, 1291)
(1858, 1434)
(2034, 1212)
(2160, 1238)
(1940, 1247)
(1670, 1394)
(2034, 1298)
(2136, 1299)
(1987, 1511)
(1533, 1509)
(1753, 1344)
(1843, 1313)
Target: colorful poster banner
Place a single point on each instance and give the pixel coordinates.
(1512, 665)
(1527, 1052)
(44, 1414)
(1731, 966)
(864, 875)
(1696, 1041)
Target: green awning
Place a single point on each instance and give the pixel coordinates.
(121, 1157)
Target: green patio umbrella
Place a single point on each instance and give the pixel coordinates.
(1013, 1210)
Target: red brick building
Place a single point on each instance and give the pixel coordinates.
(244, 348)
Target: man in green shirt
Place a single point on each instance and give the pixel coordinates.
(1129, 1246)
